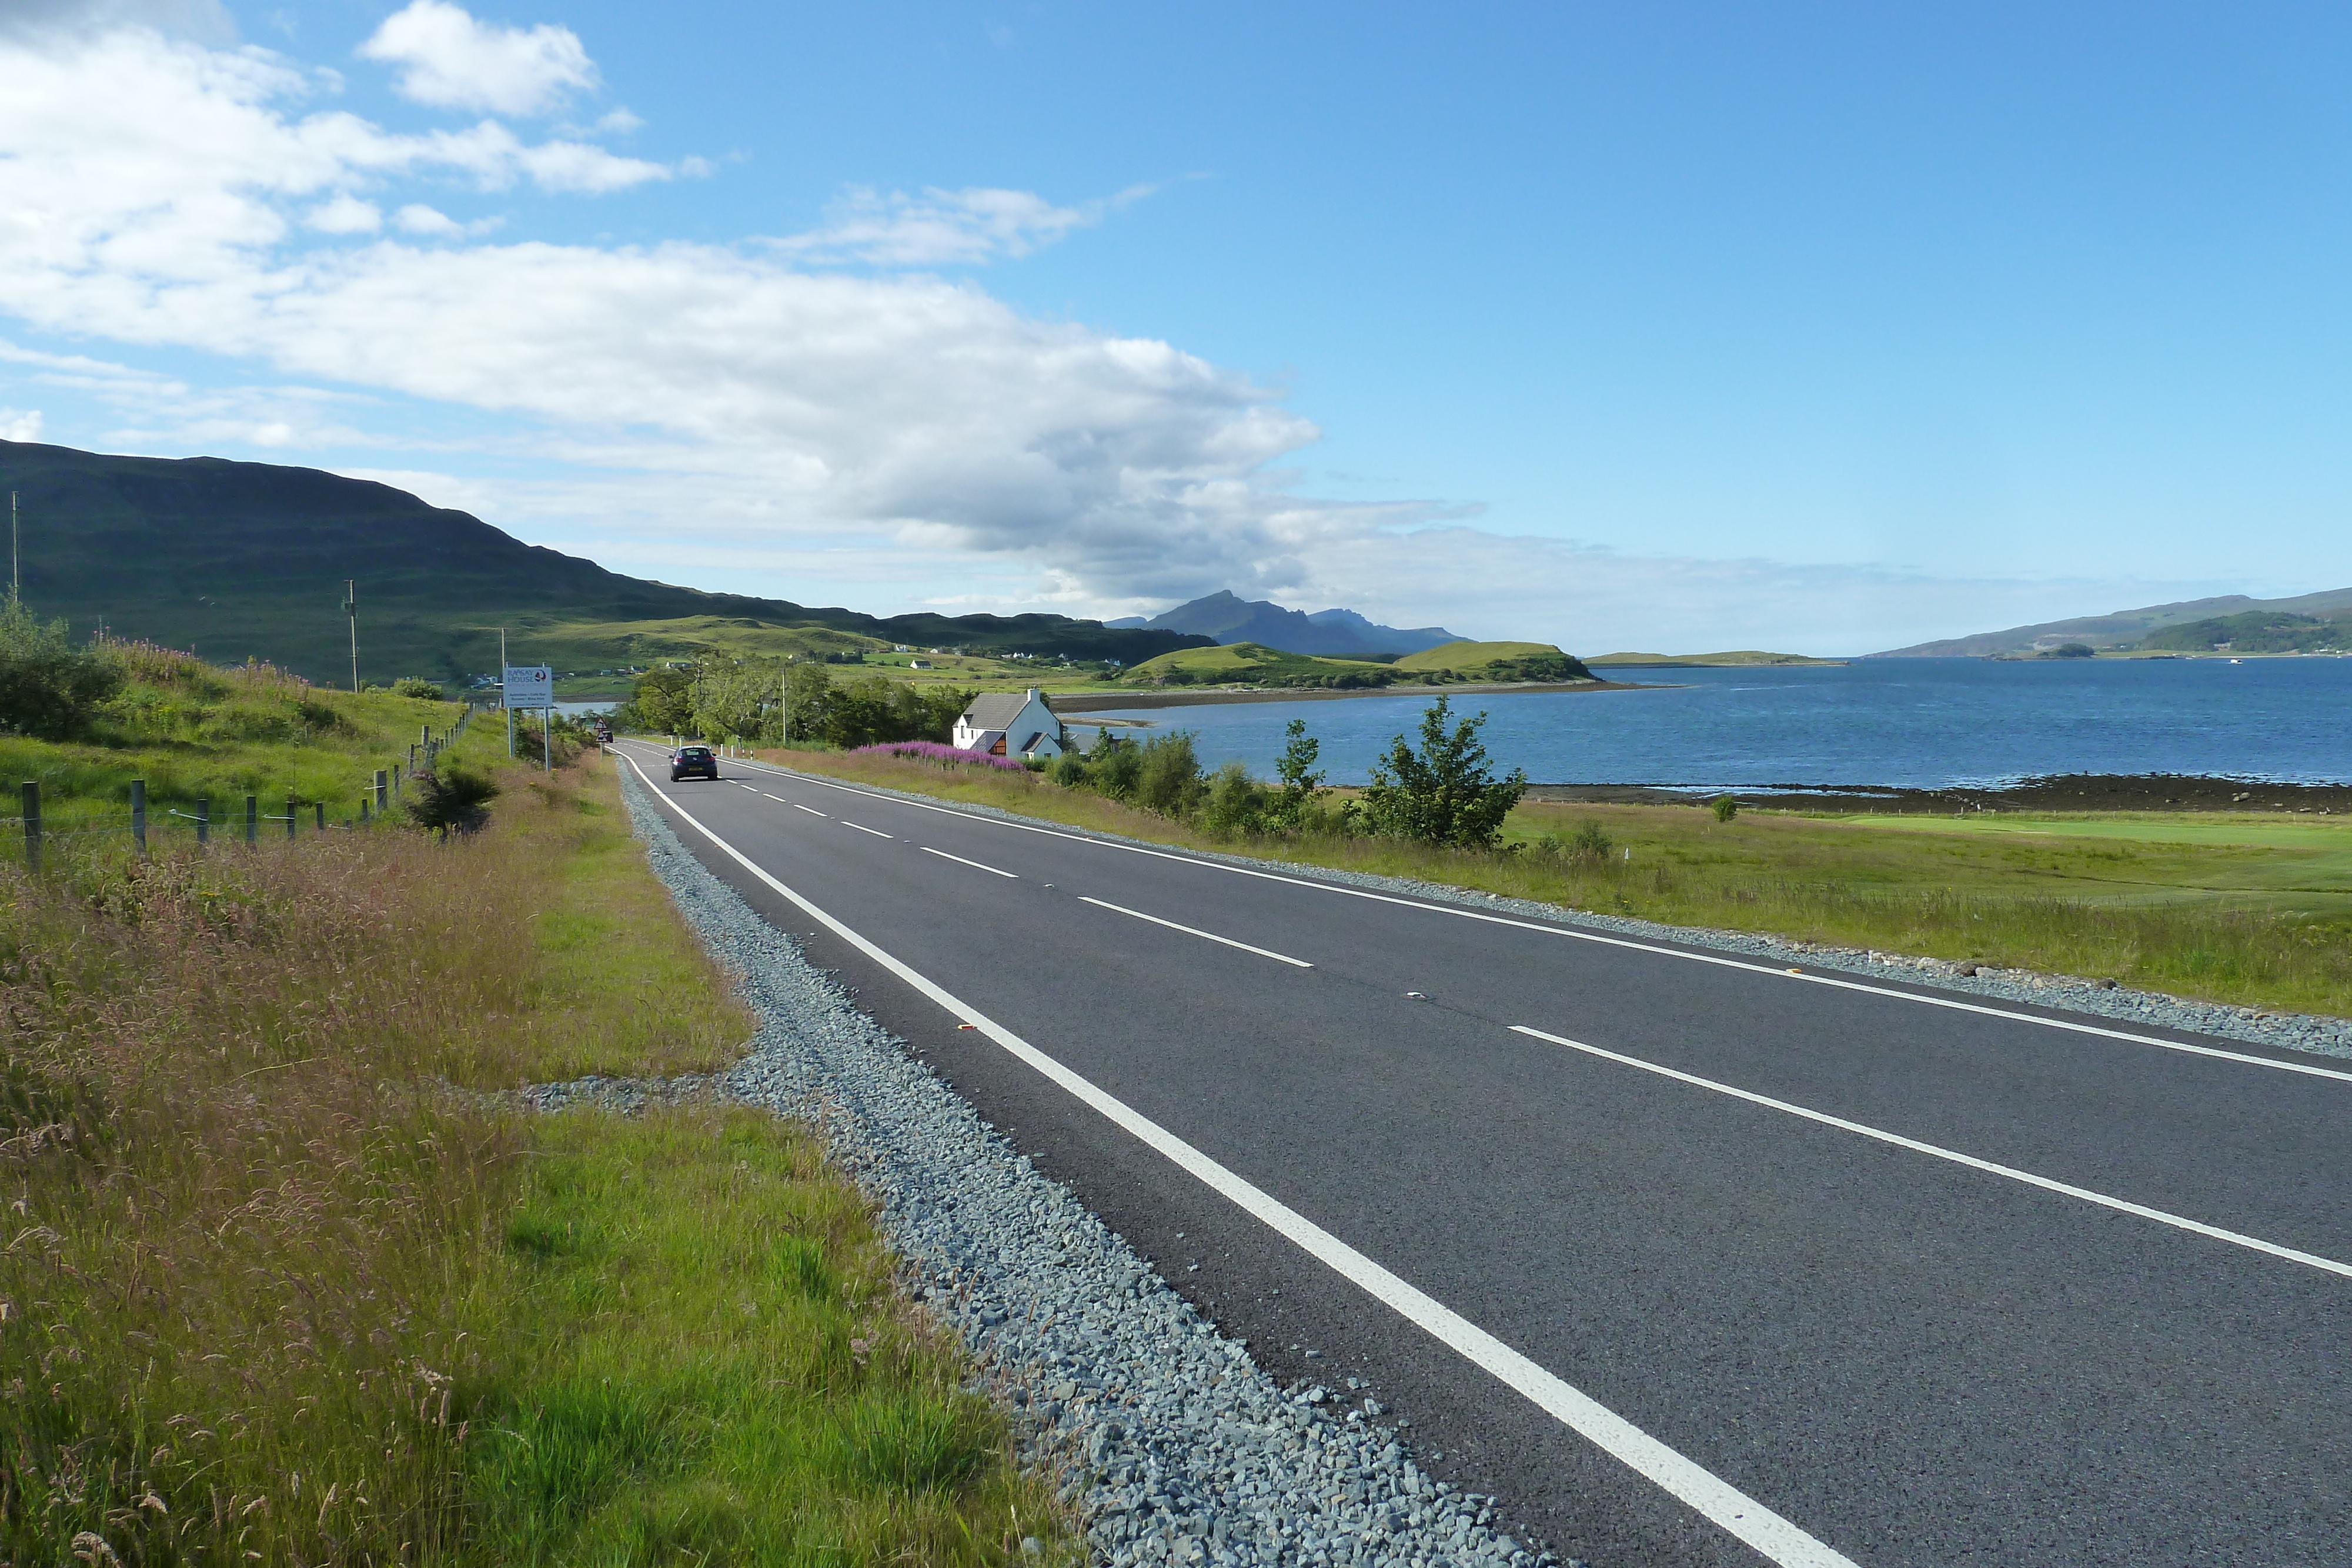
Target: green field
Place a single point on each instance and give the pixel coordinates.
(1253, 664)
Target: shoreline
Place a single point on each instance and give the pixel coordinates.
(1109, 702)
(2085, 792)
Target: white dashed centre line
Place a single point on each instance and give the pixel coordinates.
(2065, 1189)
(961, 860)
(864, 828)
(1206, 935)
(796, 806)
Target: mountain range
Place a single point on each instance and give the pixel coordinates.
(2124, 628)
(238, 561)
(1229, 618)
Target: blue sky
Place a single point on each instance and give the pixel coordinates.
(1822, 327)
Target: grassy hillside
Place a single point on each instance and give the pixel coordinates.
(1254, 663)
(2260, 631)
(1496, 662)
(193, 731)
(248, 561)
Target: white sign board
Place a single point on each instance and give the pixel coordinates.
(530, 686)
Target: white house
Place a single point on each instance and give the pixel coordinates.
(1004, 723)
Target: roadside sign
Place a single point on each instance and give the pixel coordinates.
(530, 686)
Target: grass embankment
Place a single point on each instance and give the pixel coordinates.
(2247, 912)
(284, 1285)
(194, 731)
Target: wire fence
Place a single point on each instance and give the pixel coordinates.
(142, 823)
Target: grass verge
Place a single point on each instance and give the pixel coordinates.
(281, 1284)
(2179, 908)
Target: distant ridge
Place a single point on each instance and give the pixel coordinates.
(248, 559)
(2122, 628)
(1343, 633)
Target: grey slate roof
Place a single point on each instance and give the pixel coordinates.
(995, 710)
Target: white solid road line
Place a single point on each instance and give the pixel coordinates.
(2121, 1206)
(1951, 1003)
(1190, 930)
(961, 860)
(1717, 1500)
(864, 828)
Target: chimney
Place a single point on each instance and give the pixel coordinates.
(1034, 692)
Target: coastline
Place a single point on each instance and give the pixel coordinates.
(2062, 792)
(1109, 702)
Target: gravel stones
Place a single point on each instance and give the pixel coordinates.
(1173, 1445)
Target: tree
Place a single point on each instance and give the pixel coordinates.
(1302, 782)
(663, 700)
(1447, 793)
(1169, 780)
(48, 687)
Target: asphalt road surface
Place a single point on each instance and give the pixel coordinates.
(1689, 1259)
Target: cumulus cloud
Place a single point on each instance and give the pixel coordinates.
(451, 60)
(939, 228)
(733, 410)
(203, 20)
(20, 424)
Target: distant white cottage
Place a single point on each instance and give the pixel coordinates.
(1004, 724)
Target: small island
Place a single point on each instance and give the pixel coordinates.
(1735, 659)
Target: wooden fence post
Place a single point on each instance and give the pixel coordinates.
(33, 824)
(252, 819)
(138, 814)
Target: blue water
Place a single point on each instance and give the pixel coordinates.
(1921, 723)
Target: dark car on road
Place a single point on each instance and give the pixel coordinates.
(693, 762)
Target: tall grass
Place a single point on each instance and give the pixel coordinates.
(280, 1283)
(2087, 908)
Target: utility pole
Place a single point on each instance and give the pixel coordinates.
(352, 609)
(786, 704)
(15, 588)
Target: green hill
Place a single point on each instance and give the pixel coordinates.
(240, 560)
(1255, 664)
(1737, 658)
(1497, 662)
(2257, 632)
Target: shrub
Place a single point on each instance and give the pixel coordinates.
(48, 687)
(945, 756)
(1447, 793)
(418, 686)
(1236, 803)
(448, 798)
(1115, 765)
(1168, 778)
(1070, 771)
(1725, 807)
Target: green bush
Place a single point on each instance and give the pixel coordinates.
(1447, 793)
(1115, 766)
(418, 686)
(448, 798)
(1725, 807)
(1236, 803)
(1070, 771)
(1168, 778)
(50, 688)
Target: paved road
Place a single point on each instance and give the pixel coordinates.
(1689, 1259)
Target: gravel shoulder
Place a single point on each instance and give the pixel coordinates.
(1173, 1444)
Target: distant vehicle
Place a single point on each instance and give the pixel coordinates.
(693, 762)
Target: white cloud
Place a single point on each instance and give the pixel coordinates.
(938, 227)
(451, 60)
(20, 426)
(206, 20)
(728, 411)
(345, 215)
